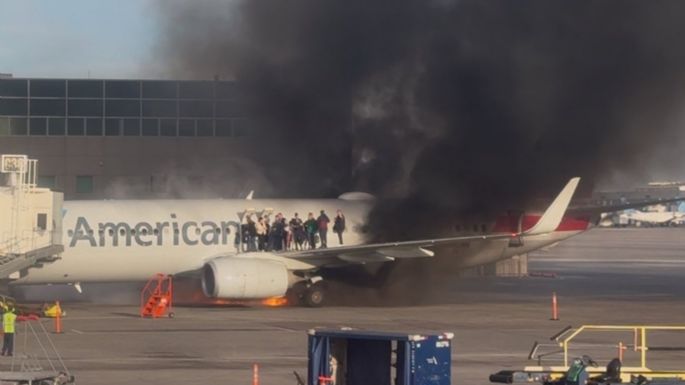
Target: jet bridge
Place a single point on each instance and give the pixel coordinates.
(31, 223)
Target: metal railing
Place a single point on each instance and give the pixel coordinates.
(567, 339)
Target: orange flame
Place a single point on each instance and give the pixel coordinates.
(275, 301)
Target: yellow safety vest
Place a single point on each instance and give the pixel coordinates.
(8, 320)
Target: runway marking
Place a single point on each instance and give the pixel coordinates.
(77, 331)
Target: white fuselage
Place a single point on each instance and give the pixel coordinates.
(131, 240)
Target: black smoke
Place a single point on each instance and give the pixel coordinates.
(442, 107)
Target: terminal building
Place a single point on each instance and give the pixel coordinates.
(102, 139)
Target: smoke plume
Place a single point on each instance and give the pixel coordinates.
(442, 107)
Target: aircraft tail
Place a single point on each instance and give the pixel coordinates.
(551, 219)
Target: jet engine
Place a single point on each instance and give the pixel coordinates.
(244, 278)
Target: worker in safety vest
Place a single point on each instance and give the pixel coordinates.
(8, 321)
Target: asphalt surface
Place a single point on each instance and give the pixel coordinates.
(604, 276)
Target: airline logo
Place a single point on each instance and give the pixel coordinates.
(171, 232)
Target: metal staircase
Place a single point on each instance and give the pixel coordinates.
(32, 230)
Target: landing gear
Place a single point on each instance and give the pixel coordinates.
(310, 293)
(315, 295)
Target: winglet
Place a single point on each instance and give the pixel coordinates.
(551, 219)
(250, 195)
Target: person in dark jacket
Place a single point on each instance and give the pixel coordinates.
(311, 227)
(297, 231)
(339, 225)
(278, 232)
(323, 222)
(251, 234)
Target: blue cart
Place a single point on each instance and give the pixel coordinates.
(355, 357)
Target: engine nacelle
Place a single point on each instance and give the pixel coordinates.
(244, 278)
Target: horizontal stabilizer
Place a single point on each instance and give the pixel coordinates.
(551, 219)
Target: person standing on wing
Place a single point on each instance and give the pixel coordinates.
(323, 222)
(339, 225)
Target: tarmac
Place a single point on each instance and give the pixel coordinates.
(604, 276)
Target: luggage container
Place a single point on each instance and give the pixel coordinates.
(356, 357)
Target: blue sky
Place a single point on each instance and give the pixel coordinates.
(77, 38)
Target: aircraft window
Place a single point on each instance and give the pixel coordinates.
(122, 232)
(155, 231)
(70, 233)
(483, 228)
(144, 231)
(111, 232)
(475, 228)
(101, 231)
(197, 230)
(90, 232)
(228, 230)
(176, 231)
(133, 232)
(218, 230)
(457, 227)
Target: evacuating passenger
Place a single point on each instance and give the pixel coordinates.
(277, 232)
(267, 230)
(339, 225)
(297, 230)
(287, 235)
(260, 228)
(251, 234)
(311, 227)
(323, 221)
(8, 321)
(236, 240)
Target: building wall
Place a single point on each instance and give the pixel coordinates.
(99, 139)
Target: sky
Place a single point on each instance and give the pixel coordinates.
(77, 38)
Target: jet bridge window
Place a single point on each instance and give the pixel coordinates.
(42, 221)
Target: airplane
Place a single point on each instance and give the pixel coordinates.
(660, 218)
(132, 240)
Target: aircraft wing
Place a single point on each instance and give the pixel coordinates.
(389, 251)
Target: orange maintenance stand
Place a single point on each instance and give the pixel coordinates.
(156, 297)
